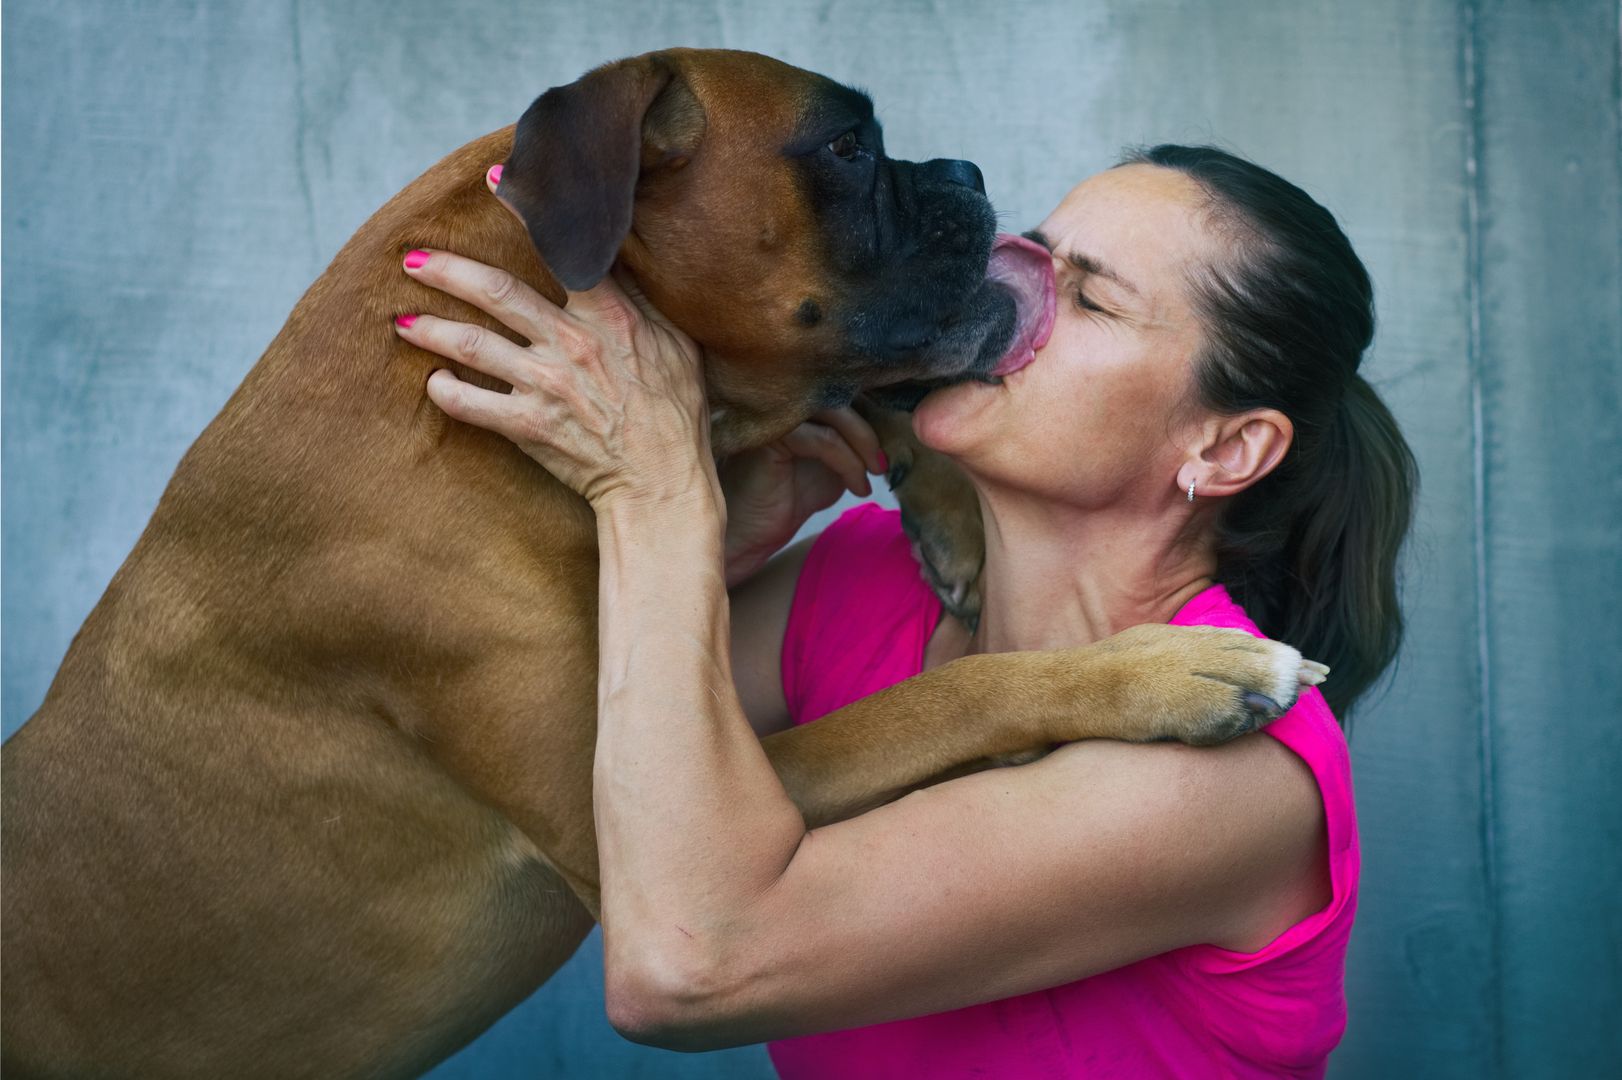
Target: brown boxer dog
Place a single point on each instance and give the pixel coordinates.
(310, 794)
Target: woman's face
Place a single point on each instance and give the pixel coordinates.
(1100, 417)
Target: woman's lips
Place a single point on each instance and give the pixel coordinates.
(1025, 269)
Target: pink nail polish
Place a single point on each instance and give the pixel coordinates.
(415, 259)
(494, 175)
(404, 321)
(884, 463)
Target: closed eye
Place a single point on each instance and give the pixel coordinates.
(1084, 303)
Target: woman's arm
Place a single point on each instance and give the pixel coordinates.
(725, 919)
(723, 926)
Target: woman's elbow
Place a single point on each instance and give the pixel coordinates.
(672, 1002)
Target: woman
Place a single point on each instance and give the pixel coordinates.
(1195, 418)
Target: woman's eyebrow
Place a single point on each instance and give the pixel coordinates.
(1085, 263)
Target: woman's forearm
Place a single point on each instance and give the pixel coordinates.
(692, 822)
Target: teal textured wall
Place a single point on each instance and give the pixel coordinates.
(176, 173)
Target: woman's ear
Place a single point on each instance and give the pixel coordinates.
(1236, 451)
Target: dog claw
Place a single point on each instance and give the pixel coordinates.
(1312, 673)
(1260, 703)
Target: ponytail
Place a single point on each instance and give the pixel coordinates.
(1310, 552)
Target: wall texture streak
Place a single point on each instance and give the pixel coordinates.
(177, 172)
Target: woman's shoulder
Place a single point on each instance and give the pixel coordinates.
(1310, 731)
(1309, 727)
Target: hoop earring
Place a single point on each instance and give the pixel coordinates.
(1191, 491)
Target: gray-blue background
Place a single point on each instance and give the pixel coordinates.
(176, 173)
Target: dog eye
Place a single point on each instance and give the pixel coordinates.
(845, 146)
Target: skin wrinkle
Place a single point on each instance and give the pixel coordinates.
(1087, 264)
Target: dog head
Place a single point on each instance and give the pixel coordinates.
(755, 206)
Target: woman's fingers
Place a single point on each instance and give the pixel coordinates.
(613, 303)
(825, 445)
(858, 433)
(495, 292)
(478, 348)
(843, 442)
(606, 395)
(498, 412)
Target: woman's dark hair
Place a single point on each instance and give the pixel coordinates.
(1311, 550)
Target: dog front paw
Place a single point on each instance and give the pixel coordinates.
(1201, 685)
(939, 511)
(950, 557)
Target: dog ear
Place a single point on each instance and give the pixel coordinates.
(579, 151)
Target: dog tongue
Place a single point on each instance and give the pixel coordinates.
(1025, 268)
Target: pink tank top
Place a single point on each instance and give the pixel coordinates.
(860, 619)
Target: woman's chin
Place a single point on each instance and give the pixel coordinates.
(947, 419)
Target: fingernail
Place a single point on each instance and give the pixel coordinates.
(494, 175)
(884, 463)
(415, 259)
(404, 321)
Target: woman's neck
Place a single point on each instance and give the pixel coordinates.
(1059, 577)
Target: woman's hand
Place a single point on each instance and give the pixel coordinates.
(771, 490)
(608, 396)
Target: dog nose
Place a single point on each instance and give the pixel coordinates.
(963, 173)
